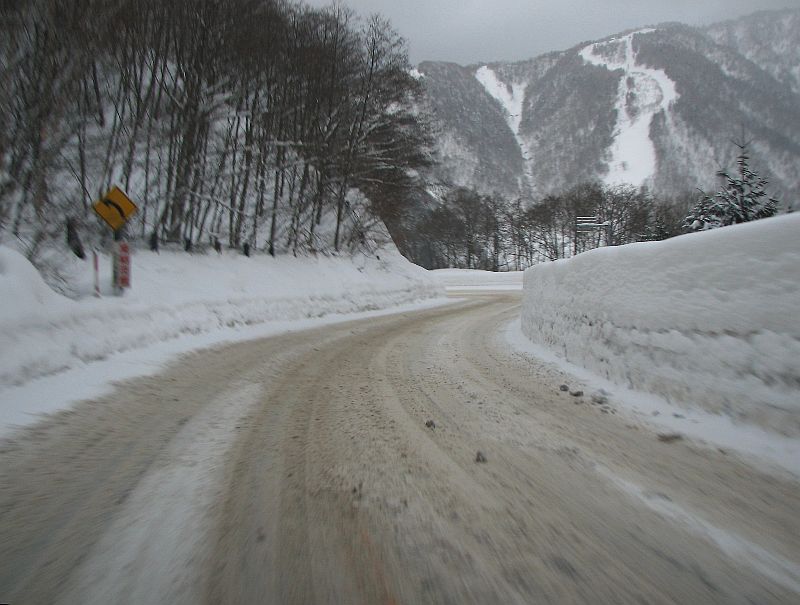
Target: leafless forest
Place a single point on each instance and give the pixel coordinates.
(248, 121)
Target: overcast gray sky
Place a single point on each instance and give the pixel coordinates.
(472, 31)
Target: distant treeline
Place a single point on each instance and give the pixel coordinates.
(251, 121)
(473, 231)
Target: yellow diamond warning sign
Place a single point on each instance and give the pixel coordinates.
(115, 208)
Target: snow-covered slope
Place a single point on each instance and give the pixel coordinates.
(771, 40)
(177, 295)
(511, 98)
(643, 92)
(656, 106)
(481, 149)
(709, 319)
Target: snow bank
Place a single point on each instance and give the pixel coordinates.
(469, 279)
(175, 294)
(23, 291)
(709, 319)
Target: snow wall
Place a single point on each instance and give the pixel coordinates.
(708, 319)
(176, 294)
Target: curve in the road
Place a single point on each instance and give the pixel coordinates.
(339, 465)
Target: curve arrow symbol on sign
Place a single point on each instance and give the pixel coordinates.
(116, 207)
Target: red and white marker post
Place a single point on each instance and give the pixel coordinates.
(122, 267)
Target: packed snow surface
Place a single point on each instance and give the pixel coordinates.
(51, 343)
(643, 92)
(779, 569)
(149, 550)
(709, 320)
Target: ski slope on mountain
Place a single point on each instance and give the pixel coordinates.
(655, 106)
(511, 98)
(643, 92)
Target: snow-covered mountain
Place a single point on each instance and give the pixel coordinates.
(771, 40)
(657, 106)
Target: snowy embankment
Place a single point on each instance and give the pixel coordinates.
(708, 320)
(474, 279)
(176, 296)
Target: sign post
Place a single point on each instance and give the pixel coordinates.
(115, 208)
(588, 224)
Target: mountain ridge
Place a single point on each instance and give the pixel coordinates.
(683, 91)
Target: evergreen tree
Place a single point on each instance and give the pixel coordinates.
(655, 231)
(742, 199)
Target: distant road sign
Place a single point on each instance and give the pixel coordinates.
(115, 208)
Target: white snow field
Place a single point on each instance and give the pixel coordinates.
(511, 98)
(56, 350)
(643, 92)
(708, 321)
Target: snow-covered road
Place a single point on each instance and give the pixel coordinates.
(299, 469)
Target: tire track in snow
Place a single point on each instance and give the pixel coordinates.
(153, 549)
(777, 568)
